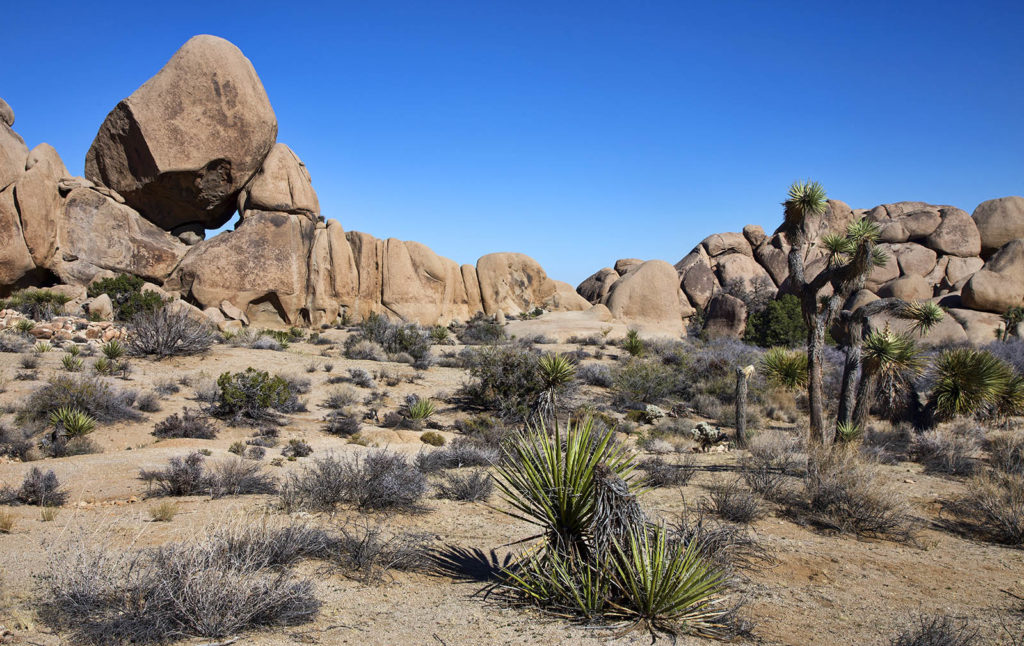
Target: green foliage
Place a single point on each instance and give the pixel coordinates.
(439, 334)
(556, 370)
(126, 295)
(251, 394)
(432, 438)
(38, 304)
(24, 326)
(420, 409)
(804, 198)
(633, 344)
(72, 421)
(1011, 319)
(71, 363)
(506, 379)
(924, 314)
(482, 330)
(395, 338)
(969, 381)
(781, 323)
(113, 350)
(42, 347)
(848, 432)
(787, 368)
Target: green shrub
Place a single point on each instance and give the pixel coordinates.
(781, 323)
(432, 438)
(633, 344)
(786, 368)
(126, 295)
(394, 338)
(89, 394)
(506, 379)
(251, 395)
(72, 421)
(38, 304)
(975, 382)
(482, 330)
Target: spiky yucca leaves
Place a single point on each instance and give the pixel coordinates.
(633, 344)
(549, 480)
(804, 198)
(838, 246)
(923, 314)
(561, 582)
(893, 360)
(421, 409)
(662, 584)
(785, 367)
(847, 432)
(556, 371)
(969, 381)
(73, 421)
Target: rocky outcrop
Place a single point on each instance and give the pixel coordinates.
(182, 146)
(999, 285)
(648, 298)
(282, 184)
(514, 283)
(999, 221)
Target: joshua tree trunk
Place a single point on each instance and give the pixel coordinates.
(742, 375)
(865, 397)
(815, 360)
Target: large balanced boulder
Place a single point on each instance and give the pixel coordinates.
(649, 298)
(726, 318)
(40, 202)
(182, 146)
(595, 287)
(956, 235)
(13, 151)
(15, 260)
(999, 221)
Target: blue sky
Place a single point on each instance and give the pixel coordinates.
(574, 132)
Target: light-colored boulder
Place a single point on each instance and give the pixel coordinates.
(739, 271)
(726, 318)
(908, 288)
(957, 235)
(515, 283)
(229, 310)
(368, 257)
(183, 144)
(415, 282)
(959, 269)
(281, 184)
(937, 276)
(914, 259)
(333, 283)
(215, 316)
(700, 284)
(772, 254)
(231, 327)
(260, 268)
(999, 221)
(999, 285)
(15, 260)
(981, 327)
(13, 154)
(754, 234)
(595, 287)
(559, 326)
(648, 297)
(179, 306)
(129, 244)
(860, 299)
(624, 265)
(40, 203)
(155, 289)
(6, 114)
(726, 243)
(882, 274)
(101, 307)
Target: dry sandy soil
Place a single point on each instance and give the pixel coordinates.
(821, 588)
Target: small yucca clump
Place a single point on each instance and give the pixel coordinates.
(72, 421)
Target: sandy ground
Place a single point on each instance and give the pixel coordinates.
(821, 588)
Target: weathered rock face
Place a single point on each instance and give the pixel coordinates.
(999, 285)
(182, 146)
(514, 283)
(726, 318)
(13, 152)
(40, 202)
(649, 297)
(595, 288)
(282, 184)
(956, 235)
(15, 260)
(999, 221)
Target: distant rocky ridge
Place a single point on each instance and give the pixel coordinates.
(971, 265)
(179, 156)
(198, 142)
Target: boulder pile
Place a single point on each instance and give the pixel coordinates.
(181, 155)
(972, 265)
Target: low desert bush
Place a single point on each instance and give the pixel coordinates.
(360, 377)
(368, 552)
(392, 338)
(432, 438)
(214, 585)
(342, 424)
(482, 330)
(947, 450)
(341, 398)
(148, 402)
(780, 323)
(16, 442)
(167, 333)
(595, 374)
(660, 473)
(772, 457)
(642, 381)
(993, 507)
(459, 453)
(506, 379)
(732, 502)
(473, 486)
(163, 512)
(379, 480)
(939, 630)
(126, 296)
(41, 488)
(251, 396)
(189, 476)
(846, 494)
(13, 343)
(190, 423)
(483, 430)
(297, 449)
(236, 477)
(89, 394)
(1006, 451)
(361, 349)
(38, 304)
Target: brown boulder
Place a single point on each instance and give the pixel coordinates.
(419, 285)
(959, 269)
(15, 260)
(908, 288)
(181, 147)
(700, 284)
(957, 235)
(999, 285)
(624, 265)
(282, 184)
(514, 283)
(999, 221)
(742, 272)
(772, 254)
(595, 287)
(726, 318)
(882, 274)
(726, 243)
(129, 244)
(368, 256)
(981, 327)
(648, 297)
(754, 234)
(913, 259)
(333, 281)
(260, 268)
(40, 203)
(6, 114)
(13, 154)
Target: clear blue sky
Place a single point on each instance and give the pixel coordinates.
(575, 132)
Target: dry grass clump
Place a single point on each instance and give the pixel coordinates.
(368, 552)
(475, 486)
(953, 450)
(217, 584)
(379, 480)
(189, 423)
(7, 521)
(844, 493)
(940, 630)
(459, 453)
(773, 456)
(163, 512)
(40, 488)
(732, 502)
(993, 507)
(189, 476)
(1006, 451)
(660, 473)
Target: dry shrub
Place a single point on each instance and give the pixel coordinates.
(844, 493)
(378, 480)
(660, 473)
(477, 485)
(730, 501)
(367, 552)
(167, 333)
(993, 507)
(42, 489)
(91, 395)
(190, 423)
(229, 580)
(941, 630)
(459, 453)
(772, 457)
(1006, 451)
(953, 450)
(189, 476)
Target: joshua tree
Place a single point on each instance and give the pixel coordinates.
(851, 258)
(742, 375)
(556, 370)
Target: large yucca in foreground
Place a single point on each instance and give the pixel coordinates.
(599, 556)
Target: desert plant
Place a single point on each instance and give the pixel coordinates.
(466, 487)
(633, 344)
(113, 350)
(505, 379)
(787, 368)
(947, 451)
(780, 323)
(432, 438)
(7, 521)
(89, 394)
(482, 330)
(420, 409)
(340, 423)
(969, 381)
(556, 372)
(642, 381)
(595, 374)
(126, 296)
(1006, 451)
(163, 512)
(189, 423)
(72, 422)
(659, 473)
(457, 454)
(12, 343)
(297, 449)
(379, 480)
(360, 377)
(71, 363)
(29, 362)
(732, 502)
(185, 476)
(341, 398)
(368, 551)
(42, 489)
(994, 506)
(42, 347)
(166, 332)
(235, 477)
(251, 396)
(938, 630)
(38, 304)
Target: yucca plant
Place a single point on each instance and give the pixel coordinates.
(420, 409)
(103, 366)
(891, 361)
(847, 432)
(663, 584)
(556, 371)
(73, 421)
(24, 326)
(113, 350)
(633, 344)
(969, 381)
(549, 481)
(561, 582)
(73, 350)
(923, 314)
(42, 347)
(71, 363)
(785, 367)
